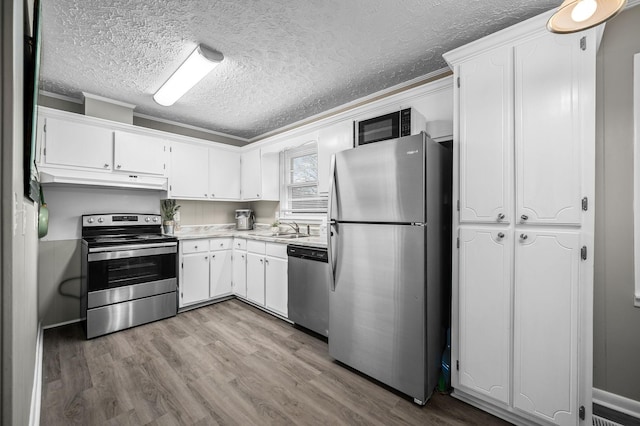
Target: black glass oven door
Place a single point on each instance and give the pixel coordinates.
(118, 268)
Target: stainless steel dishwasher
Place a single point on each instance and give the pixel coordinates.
(309, 288)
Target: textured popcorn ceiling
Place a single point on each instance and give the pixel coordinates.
(285, 60)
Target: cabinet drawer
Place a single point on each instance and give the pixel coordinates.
(220, 244)
(239, 244)
(256, 246)
(277, 250)
(194, 246)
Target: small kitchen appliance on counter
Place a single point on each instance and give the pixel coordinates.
(244, 219)
(129, 272)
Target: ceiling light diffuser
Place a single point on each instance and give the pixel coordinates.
(201, 61)
(577, 15)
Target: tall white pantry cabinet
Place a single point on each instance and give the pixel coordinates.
(524, 178)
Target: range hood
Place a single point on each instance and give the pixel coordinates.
(114, 180)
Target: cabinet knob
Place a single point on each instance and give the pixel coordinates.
(205, 195)
(213, 195)
(206, 257)
(195, 247)
(523, 237)
(500, 216)
(261, 260)
(213, 256)
(524, 217)
(500, 235)
(266, 261)
(258, 195)
(242, 256)
(106, 166)
(118, 166)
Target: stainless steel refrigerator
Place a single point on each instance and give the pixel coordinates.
(387, 250)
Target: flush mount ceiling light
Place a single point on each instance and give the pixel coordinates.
(201, 61)
(577, 15)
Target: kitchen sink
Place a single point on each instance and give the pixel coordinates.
(287, 235)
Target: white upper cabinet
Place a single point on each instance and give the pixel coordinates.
(189, 171)
(331, 139)
(224, 174)
(137, 153)
(259, 175)
(486, 137)
(548, 100)
(545, 325)
(76, 144)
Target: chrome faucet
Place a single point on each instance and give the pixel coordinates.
(293, 225)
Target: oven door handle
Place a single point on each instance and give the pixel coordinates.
(124, 252)
(132, 247)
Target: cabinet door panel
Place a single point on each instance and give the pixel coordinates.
(194, 285)
(332, 139)
(240, 273)
(255, 278)
(220, 275)
(76, 144)
(224, 174)
(546, 325)
(189, 171)
(486, 138)
(139, 154)
(485, 311)
(276, 285)
(251, 175)
(548, 129)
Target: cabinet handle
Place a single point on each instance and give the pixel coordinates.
(258, 195)
(205, 195)
(500, 216)
(206, 257)
(213, 195)
(213, 256)
(106, 166)
(196, 247)
(221, 244)
(242, 256)
(523, 237)
(500, 235)
(524, 217)
(261, 260)
(119, 166)
(266, 261)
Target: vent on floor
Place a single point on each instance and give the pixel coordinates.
(601, 421)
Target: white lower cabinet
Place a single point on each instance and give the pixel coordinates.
(267, 282)
(239, 262)
(546, 306)
(485, 293)
(205, 270)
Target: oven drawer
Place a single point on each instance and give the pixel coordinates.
(130, 292)
(194, 246)
(220, 244)
(119, 316)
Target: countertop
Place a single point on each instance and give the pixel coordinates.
(261, 233)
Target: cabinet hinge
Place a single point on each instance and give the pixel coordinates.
(170, 187)
(583, 253)
(458, 80)
(458, 242)
(458, 205)
(165, 148)
(182, 265)
(581, 412)
(583, 43)
(585, 204)
(181, 295)
(44, 151)
(457, 365)
(170, 149)
(164, 166)
(45, 127)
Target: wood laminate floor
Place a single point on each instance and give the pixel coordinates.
(227, 363)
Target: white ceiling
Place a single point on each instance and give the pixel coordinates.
(285, 60)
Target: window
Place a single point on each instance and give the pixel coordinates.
(299, 193)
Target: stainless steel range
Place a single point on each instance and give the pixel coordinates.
(129, 272)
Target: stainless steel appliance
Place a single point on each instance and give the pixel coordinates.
(387, 223)
(128, 272)
(394, 125)
(308, 272)
(244, 219)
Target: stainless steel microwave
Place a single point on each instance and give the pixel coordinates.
(394, 125)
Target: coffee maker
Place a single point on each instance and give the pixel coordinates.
(244, 219)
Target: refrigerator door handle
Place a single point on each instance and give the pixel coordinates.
(330, 221)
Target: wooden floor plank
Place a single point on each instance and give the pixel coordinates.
(224, 364)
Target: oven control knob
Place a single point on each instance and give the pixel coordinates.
(155, 219)
(90, 220)
(147, 219)
(100, 220)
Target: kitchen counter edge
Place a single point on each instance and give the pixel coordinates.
(312, 241)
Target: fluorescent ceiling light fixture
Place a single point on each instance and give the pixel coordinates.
(577, 15)
(201, 61)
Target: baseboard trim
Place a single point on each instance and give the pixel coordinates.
(616, 402)
(36, 393)
(60, 324)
